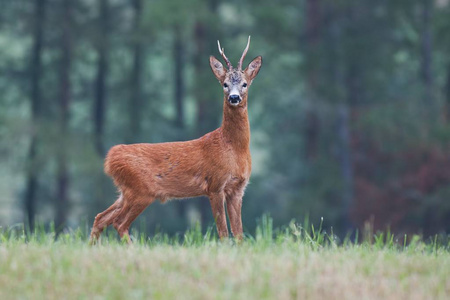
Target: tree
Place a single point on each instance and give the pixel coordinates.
(135, 103)
(178, 53)
(426, 52)
(36, 102)
(100, 82)
(62, 194)
(313, 34)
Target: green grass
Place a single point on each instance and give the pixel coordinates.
(295, 262)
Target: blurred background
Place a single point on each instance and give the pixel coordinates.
(350, 114)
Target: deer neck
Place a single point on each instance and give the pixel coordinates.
(236, 127)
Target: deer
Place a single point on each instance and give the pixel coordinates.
(216, 165)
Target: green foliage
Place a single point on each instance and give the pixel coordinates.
(364, 57)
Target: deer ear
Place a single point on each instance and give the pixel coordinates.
(217, 68)
(253, 68)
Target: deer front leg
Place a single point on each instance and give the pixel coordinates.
(234, 207)
(218, 209)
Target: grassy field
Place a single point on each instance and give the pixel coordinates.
(292, 263)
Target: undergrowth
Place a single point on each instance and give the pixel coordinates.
(306, 234)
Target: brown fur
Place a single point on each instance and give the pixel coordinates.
(217, 165)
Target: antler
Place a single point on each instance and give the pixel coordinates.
(221, 51)
(243, 54)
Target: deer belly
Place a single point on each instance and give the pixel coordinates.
(180, 186)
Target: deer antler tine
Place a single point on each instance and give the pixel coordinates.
(221, 51)
(220, 48)
(244, 54)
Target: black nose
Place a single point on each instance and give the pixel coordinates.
(234, 99)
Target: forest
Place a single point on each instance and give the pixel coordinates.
(350, 113)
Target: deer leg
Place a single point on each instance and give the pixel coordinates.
(127, 215)
(218, 209)
(234, 207)
(104, 219)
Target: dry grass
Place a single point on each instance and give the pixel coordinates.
(283, 268)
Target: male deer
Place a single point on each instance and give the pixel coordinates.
(217, 165)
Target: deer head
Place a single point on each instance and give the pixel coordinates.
(235, 82)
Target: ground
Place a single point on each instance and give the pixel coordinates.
(284, 266)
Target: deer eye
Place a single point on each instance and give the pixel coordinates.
(225, 85)
(244, 85)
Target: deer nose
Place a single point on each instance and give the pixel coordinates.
(234, 99)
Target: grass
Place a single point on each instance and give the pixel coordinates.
(295, 262)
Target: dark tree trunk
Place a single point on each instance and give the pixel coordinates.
(426, 48)
(313, 28)
(136, 78)
(35, 97)
(354, 92)
(208, 111)
(62, 201)
(333, 54)
(31, 183)
(345, 162)
(343, 126)
(447, 93)
(178, 51)
(100, 84)
(353, 71)
(312, 122)
(202, 117)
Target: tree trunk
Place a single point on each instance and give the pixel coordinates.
(100, 84)
(99, 111)
(447, 94)
(208, 111)
(426, 48)
(354, 93)
(62, 200)
(31, 183)
(35, 97)
(345, 162)
(202, 116)
(313, 24)
(178, 51)
(312, 122)
(353, 72)
(135, 116)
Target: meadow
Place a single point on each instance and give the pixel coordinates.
(294, 262)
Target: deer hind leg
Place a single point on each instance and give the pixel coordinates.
(104, 219)
(217, 205)
(234, 207)
(132, 208)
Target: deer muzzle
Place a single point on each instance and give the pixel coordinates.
(234, 99)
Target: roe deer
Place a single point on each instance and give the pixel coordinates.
(217, 165)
